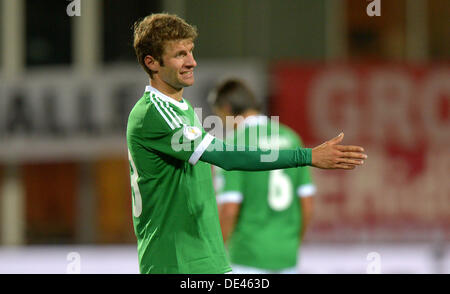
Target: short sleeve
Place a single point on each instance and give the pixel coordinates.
(306, 187)
(184, 142)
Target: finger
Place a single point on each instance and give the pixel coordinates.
(350, 161)
(337, 139)
(353, 155)
(344, 166)
(349, 148)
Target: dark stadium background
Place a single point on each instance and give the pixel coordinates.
(324, 66)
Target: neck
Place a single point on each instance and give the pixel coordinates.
(250, 112)
(246, 114)
(166, 89)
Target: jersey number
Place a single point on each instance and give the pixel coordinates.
(136, 200)
(280, 190)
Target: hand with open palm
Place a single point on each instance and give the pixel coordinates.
(331, 155)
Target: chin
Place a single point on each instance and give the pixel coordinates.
(188, 83)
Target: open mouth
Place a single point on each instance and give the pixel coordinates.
(187, 74)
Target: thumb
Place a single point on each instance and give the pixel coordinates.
(337, 139)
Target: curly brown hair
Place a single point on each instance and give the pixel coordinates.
(152, 32)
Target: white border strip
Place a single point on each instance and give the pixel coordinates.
(306, 190)
(182, 105)
(229, 197)
(200, 149)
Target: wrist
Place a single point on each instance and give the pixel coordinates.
(308, 152)
(306, 156)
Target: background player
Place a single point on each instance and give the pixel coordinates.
(262, 222)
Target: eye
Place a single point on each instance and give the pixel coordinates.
(181, 54)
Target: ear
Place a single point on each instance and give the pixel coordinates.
(151, 63)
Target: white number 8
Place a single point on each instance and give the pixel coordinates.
(137, 200)
(280, 190)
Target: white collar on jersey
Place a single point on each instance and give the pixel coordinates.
(254, 120)
(182, 105)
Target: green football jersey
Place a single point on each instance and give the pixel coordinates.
(267, 232)
(174, 207)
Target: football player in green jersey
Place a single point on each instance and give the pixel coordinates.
(175, 213)
(262, 222)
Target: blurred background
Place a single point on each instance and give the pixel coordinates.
(67, 84)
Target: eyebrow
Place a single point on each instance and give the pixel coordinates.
(184, 50)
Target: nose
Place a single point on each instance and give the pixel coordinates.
(190, 61)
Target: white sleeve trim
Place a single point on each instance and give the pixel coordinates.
(200, 149)
(231, 196)
(306, 190)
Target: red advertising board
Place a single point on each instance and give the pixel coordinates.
(400, 115)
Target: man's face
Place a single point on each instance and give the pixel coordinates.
(179, 64)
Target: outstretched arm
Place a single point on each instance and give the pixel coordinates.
(230, 158)
(328, 155)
